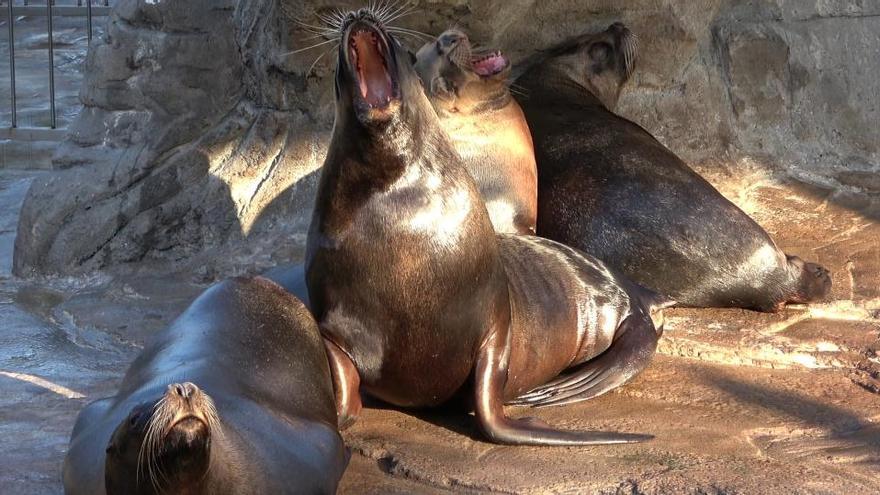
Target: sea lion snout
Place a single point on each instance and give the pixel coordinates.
(186, 399)
(185, 409)
(371, 78)
(183, 390)
(619, 30)
(451, 39)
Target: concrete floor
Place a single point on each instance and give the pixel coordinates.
(740, 402)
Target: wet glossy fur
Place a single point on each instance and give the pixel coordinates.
(257, 352)
(407, 278)
(606, 186)
(486, 127)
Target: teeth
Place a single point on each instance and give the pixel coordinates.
(487, 57)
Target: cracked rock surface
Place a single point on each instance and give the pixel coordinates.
(203, 128)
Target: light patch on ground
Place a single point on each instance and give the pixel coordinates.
(40, 382)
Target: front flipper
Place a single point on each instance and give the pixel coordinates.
(490, 379)
(346, 385)
(628, 355)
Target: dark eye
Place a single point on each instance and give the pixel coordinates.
(134, 419)
(600, 52)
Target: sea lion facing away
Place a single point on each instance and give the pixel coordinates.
(606, 186)
(408, 282)
(471, 95)
(234, 397)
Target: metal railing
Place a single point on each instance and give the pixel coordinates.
(49, 11)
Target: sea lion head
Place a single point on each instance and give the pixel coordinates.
(163, 445)
(600, 62)
(374, 75)
(457, 79)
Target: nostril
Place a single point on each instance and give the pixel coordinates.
(189, 390)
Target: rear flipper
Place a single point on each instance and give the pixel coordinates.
(346, 384)
(813, 284)
(629, 354)
(490, 376)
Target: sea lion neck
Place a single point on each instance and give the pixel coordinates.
(381, 153)
(548, 83)
(484, 104)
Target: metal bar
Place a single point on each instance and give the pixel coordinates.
(89, 17)
(12, 61)
(57, 10)
(32, 134)
(51, 64)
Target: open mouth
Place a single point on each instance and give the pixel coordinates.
(368, 57)
(489, 65)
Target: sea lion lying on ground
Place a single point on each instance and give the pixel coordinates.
(234, 397)
(607, 187)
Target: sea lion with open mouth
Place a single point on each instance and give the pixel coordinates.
(607, 187)
(419, 300)
(234, 397)
(471, 95)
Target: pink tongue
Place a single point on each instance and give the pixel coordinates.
(490, 66)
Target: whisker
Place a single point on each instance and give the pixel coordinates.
(313, 28)
(404, 14)
(141, 451)
(325, 19)
(518, 90)
(316, 36)
(414, 36)
(404, 10)
(410, 31)
(145, 452)
(401, 6)
(328, 33)
(339, 14)
(389, 7)
(310, 47)
(333, 20)
(319, 58)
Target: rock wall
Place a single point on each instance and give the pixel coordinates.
(202, 133)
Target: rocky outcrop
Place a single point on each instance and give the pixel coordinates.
(202, 133)
(192, 133)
